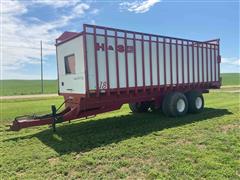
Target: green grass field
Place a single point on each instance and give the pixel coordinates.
(230, 79)
(120, 144)
(23, 87)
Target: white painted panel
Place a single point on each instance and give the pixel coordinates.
(101, 58)
(112, 63)
(131, 77)
(213, 63)
(121, 65)
(185, 64)
(180, 79)
(200, 65)
(195, 65)
(147, 64)
(217, 78)
(154, 64)
(168, 72)
(71, 83)
(139, 63)
(161, 63)
(91, 62)
(204, 65)
(174, 64)
(209, 65)
(190, 65)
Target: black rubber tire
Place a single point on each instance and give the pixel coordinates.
(169, 104)
(192, 97)
(139, 107)
(154, 108)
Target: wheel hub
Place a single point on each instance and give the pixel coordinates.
(181, 105)
(198, 102)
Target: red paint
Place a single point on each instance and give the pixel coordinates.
(96, 105)
(100, 46)
(120, 48)
(94, 102)
(67, 36)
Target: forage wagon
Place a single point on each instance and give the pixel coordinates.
(102, 68)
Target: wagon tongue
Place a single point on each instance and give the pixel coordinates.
(36, 120)
(18, 124)
(29, 121)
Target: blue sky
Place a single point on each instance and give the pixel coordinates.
(25, 23)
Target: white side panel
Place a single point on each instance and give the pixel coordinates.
(131, 77)
(101, 55)
(122, 65)
(200, 65)
(174, 64)
(154, 63)
(139, 63)
(217, 78)
(180, 79)
(161, 63)
(91, 62)
(209, 65)
(112, 64)
(195, 65)
(168, 72)
(190, 65)
(204, 65)
(213, 63)
(185, 64)
(71, 83)
(147, 63)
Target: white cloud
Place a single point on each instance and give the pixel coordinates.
(12, 7)
(138, 6)
(231, 61)
(20, 40)
(95, 11)
(56, 3)
(80, 9)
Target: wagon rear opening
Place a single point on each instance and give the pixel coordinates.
(101, 68)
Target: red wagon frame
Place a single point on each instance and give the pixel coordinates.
(95, 102)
